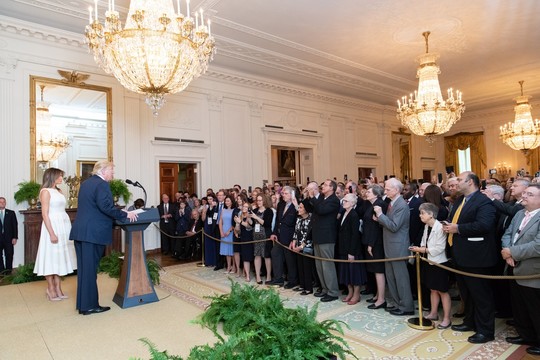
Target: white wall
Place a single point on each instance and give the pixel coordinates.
(228, 111)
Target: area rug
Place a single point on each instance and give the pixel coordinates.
(373, 334)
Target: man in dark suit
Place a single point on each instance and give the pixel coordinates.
(92, 231)
(521, 251)
(396, 244)
(505, 213)
(471, 229)
(324, 224)
(283, 232)
(167, 224)
(8, 236)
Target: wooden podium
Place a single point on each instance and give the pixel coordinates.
(135, 286)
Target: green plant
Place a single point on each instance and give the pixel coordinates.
(120, 189)
(112, 266)
(28, 190)
(256, 325)
(22, 274)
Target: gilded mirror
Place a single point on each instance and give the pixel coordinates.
(401, 155)
(70, 124)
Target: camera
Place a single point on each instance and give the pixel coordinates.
(492, 171)
(250, 211)
(537, 174)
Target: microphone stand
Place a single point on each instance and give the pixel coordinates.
(138, 184)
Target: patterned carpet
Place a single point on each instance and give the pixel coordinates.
(373, 334)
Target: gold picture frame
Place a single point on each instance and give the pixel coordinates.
(85, 168)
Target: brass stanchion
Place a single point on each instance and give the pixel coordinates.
(202, 264)
(420, 323)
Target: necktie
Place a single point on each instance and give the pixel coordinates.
(454, 221)
(166, 208)
(2, 220)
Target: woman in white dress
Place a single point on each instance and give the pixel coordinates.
(56, 254)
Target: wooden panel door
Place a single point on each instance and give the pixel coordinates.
(168, 179)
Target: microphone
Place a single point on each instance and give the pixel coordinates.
(138, 184)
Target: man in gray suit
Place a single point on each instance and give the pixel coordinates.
(521, 250)
(396, 244)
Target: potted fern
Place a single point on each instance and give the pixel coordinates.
(119, 189)
(28, 191)
(256, 325)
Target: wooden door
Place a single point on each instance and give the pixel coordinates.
(168, 179)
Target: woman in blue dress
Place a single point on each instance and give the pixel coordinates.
(226, 228)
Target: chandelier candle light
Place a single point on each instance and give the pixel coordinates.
(158, 52)
(524, 133)
(48, 147)
(425, 112)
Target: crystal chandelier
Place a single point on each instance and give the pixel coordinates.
(425, 112)
(524, 133)
(48, 147)
(158, 52)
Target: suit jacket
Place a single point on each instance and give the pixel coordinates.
(349, 236)
(95, 213)
(415, 224)
(436, 243)
(526, 249)
(170, 225)
(285, 223)
(475, 244)
(396, 229)
(10, 226)
(324, 218)
(506, 212)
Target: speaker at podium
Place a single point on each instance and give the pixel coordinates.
(135, 286)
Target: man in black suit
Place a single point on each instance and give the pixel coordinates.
(92, 231)
(8, 236)
(471, 229)
(324, 234)
(283, 232)
(166, 224)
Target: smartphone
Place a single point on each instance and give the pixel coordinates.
(484, 185)
(385, 177)
(512, 179)
(445, 223)
(293, 194)
(249, 188)
(439, 177)
(350, 190)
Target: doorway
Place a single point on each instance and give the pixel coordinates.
(174, 177)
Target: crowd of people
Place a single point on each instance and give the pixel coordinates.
(475, 226)
(293, 236)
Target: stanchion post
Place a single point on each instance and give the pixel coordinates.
(420, 323)
(202, 250)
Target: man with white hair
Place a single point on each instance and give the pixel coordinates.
(396, 244)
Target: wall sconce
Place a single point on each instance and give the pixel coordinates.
(503, 170)
(293, 172)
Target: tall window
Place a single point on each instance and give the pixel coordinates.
(464, 160)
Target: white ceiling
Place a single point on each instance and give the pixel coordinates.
(363, 49)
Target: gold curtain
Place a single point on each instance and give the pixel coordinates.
(462, 141)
